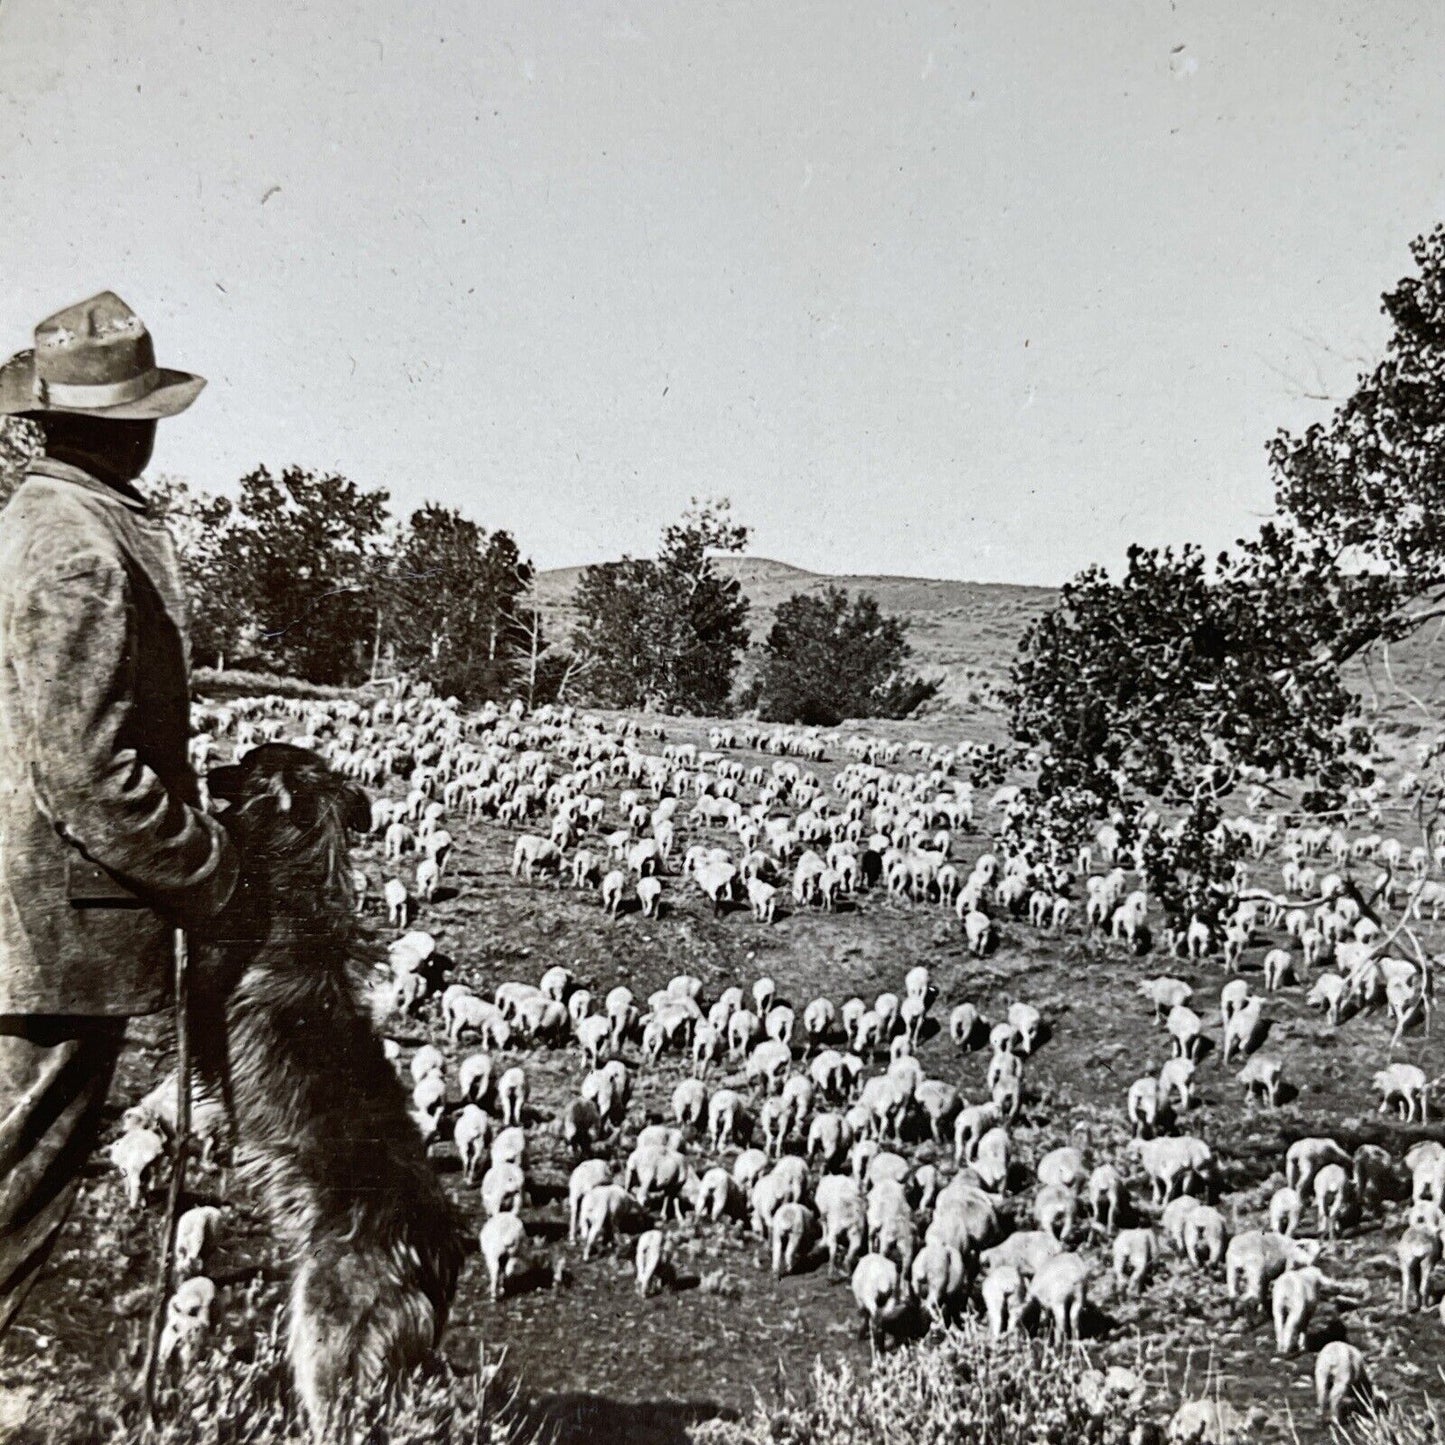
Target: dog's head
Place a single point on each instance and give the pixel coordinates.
(289, 813)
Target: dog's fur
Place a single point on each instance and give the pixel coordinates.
(324, 1133)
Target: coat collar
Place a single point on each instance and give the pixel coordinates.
(59, 471)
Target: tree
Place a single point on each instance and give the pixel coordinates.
(307, 554)
(1188, 675)
(20, 440)
(200, 523)
(669, 633)
(453, 606)
(827, 659)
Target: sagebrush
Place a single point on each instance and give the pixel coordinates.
(965, 1387)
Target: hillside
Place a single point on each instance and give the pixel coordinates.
(968, 631)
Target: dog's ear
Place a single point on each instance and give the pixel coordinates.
(358, 808)
(225, 782)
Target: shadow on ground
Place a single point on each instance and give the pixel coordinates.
(575, 1419)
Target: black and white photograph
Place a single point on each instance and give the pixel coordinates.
(722, 722)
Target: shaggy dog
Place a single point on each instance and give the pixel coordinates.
(324, 1133)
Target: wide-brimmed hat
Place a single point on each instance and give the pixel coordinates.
(95, 358)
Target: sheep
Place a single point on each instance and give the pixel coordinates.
(587, 1175)
(1176, 1076)
(1285, 1206)
(1342, 1382)
(1059, 1288)
(651, 1261)
(880, 1292)
(581, 1125)
(972, 1123)
(1056, 1209)
(1108, 1198)
(1417, 1252)
(1293, 1298)
(964, 1217)
(1004, 1294)
(744, 1029)
(557, 983)
(690, 1103)
(605, 1209)
(963, 1023)
(135, 1155)
(1374, 1174)
(649, 895)
(503, 1189)
(1262, 1076)
(991, 1159)
(1406, 1087)
(1165, 993)
(939, 1276)
(819, 1019)
(1328, 994)
(656, 1172)
(188, 1319)
(844, 1220)
(1207, 1422)
(1134, 1254)
(1174, 1216)
(1243, 1030)
(398, 902)
(885, 1099)
(1232, 997)
(195, 1232)
(469, 1133)
(939, 1103)
(1334, 1191)
(1278, 969)
(769, 1063)
(720, 1196)
(1146, 1102)
(1426, 1163)
(512, 1095)
(1185, 1030)
(791, 1232)
(1025, 1021)
(1173, 1165)
(1255, 1258)
(502, 1239)
(614, 886)
(1306, 1157)
(779, 1023)
(1026, 1250)
(1205, 1236)
(978, 931)
(510, 1147)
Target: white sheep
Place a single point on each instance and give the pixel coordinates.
(135, 1155)
(503, 1240)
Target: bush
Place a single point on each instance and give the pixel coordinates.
(1386, 1425)
(827, 659)
(967, 1387)
(239, 1393)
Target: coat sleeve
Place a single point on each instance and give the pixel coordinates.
(70, 650)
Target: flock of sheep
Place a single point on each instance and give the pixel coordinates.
(810, 1122)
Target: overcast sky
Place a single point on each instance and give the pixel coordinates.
(980, 290)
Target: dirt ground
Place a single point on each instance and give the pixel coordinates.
(604, 1364)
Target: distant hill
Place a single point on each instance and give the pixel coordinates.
(967, 631)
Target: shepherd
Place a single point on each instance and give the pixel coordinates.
(104, 847)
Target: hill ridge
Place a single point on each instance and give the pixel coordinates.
(965, 632)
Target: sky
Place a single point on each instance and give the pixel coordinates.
(975, 290)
